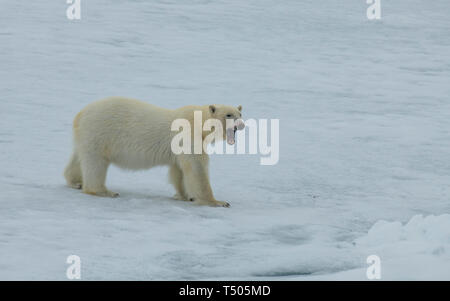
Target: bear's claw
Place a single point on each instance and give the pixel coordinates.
(106, 193)
(179, 197)
(227, 205)
(113, 194)
(76, 185)
(215, 204)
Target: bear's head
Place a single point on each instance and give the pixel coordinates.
(231, 119)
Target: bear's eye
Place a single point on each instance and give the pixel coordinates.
(229, 115)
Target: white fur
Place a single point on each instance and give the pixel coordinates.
(136, 135)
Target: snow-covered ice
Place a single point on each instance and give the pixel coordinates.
(415, 250)
(364, 139)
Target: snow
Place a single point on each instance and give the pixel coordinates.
(416, 250)
(415, 247)
(364, 165)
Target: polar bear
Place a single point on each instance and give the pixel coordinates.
(135, 135)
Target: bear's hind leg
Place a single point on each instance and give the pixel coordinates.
(176, 178)
(72, 173)
(94, 176)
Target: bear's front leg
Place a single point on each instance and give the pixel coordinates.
(196, 181)
(176, 178)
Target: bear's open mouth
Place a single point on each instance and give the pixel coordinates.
(231, 135)
(231, 132)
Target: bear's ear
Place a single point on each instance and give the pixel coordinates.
(239, 108)
(212, 109)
